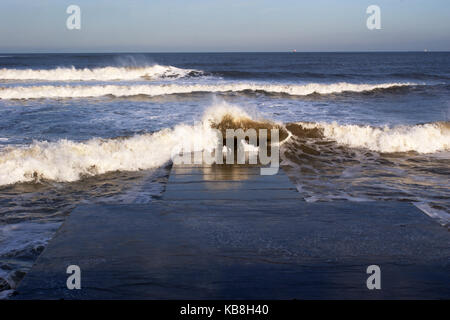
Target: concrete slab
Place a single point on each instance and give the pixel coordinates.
(232, 185)
(240, 194)
(232, 250)
(226, 232)
(222, 170)
(224, 176)
(228, 183)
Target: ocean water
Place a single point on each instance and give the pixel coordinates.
(77, 128)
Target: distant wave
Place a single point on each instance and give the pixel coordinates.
(36, 92)
(95, 74)
(421, 138)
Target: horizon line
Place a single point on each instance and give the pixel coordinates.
(180, 52)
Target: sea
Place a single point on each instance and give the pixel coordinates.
(85, 128)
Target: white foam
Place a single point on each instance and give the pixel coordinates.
(35, 92)
(67, 160)
(25, 235)
(425, 138)
(99, 74)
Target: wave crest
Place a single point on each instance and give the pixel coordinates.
(95, 74)
(67, 160)
(36, 92)
(421, 138)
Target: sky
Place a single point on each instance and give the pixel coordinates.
(223, 26)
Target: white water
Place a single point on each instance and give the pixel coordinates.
(98, 74)
(67, 160)
(36, 92)
(425, 138)
(22, 236)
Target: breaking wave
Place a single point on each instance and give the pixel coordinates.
(95, 74)
(422, 138)
(66, 160)
(36, 92)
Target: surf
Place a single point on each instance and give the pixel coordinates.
(50, 91)
(420, 138)
(66, 161)
(109, 73)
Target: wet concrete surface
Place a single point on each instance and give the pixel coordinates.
(230, 233)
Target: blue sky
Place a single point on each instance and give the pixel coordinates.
(223, 25)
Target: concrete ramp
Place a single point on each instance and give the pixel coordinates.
(228, 182)
(229, 233)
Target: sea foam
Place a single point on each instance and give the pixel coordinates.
(422, 138)
(67, 160)
(96, 74)
(35, 92)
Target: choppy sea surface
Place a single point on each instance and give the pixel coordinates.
(79, 128)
